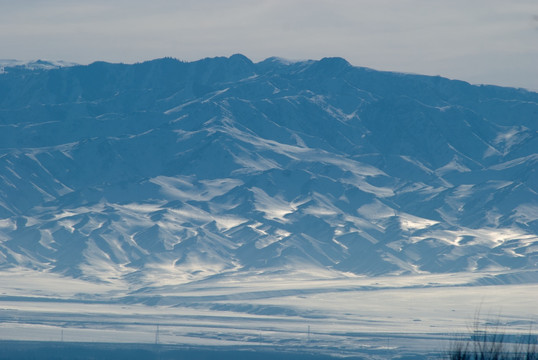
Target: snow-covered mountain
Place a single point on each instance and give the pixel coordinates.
(175, 170)
(15, 65)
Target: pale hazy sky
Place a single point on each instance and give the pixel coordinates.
(480, 41)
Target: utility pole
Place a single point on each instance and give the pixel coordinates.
(157, 340)
(157, 335)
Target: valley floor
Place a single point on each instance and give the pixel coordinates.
(344, 316)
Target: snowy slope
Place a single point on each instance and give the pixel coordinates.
(167, 172)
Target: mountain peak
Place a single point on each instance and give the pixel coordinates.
(240, 58)
(334, 61)
(330, 65)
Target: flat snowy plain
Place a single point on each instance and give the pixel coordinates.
(343, 316)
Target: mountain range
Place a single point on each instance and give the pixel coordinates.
(187, 170)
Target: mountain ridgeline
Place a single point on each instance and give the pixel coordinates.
(193, 169)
